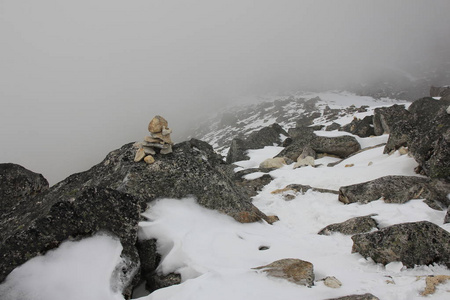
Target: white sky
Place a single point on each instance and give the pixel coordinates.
(80, 78)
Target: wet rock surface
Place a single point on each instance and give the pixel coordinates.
(417, 243)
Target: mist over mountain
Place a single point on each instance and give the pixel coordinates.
(79, 78)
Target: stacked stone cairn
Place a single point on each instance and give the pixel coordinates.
(158, 142)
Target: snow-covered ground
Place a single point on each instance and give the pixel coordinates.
(216, 255)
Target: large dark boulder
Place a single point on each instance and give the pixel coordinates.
(361, 128)
(82, 214)
(112, 194)
(418, 243)
(341, 146)
(386, 117)
(425, 130)
(18, 184)
(398, 189)
(267, 136)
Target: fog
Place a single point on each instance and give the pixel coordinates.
(81, 78)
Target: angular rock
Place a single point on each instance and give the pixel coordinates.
(167, 149)
(157, 124)
(83, 213)
(333, 126)
(166, 131)
(300, 188)
(361, 128)
(294, 270)
(165, 138)
(140, 154)
(425, 130)
(307, 151)
(252, 187)
(150, 260)
(150, 139)
(341, 146)
(351, 226)
(367, 296)
(385, 117)
(332, 282)
(149, 150)
(18, 184)
(273, 163)
(439, 91)
(398, 189)
(447, 216)
(418, 243)
(267, 136)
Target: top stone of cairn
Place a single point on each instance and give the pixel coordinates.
(157, 124)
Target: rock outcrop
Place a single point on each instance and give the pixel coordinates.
(267, 136)
(81, 214)
(418, 243)
(439, 91)
(425, 130)
(341, 146)
(398, 189)
(294, 270)
(18, 184)
(386, 117)
(361, 128)
(351, 226)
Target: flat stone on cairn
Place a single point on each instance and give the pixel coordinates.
(159, 141)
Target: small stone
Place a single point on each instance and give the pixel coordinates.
(156, 124)
(349, 165)
(166, 150)
(150, 139)
(294, 270)
(166, 131)
(165, 138)
(272, 219)
(432, 282)
(403, 150)
(149, 159)
(140, 154)
(149, 150)
(448, 110)
(370, 163)
(332, 282)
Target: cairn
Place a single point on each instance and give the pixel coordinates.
(158, 141)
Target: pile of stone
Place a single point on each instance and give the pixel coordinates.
(159, 141)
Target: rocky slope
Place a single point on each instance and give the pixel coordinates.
(315, 135)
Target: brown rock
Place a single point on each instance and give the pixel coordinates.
(149, 159)
(165, 138)
(150, 139)
(432, 282)
(140, 154)
(294, 270)
(156, 124)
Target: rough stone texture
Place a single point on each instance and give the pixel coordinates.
(357, 297)
(17, 184)
(294, 270)
(439, 91)
(300, 188)
(307, 151)
(361, 128)
(267, 136)
(342, 146)
(333, 126)
(447, 216)
(140, 154)
(150, 260)
(149, 159)
(385, 117)
(418, 243)
(60, 217)
(252, 187)
(432, 282)
(273, 163)
(157, 124)
(425, 130)
(398, 189)
(351, 226)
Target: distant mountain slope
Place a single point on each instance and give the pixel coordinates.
(303, 109)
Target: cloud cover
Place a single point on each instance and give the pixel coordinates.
(80, 78)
